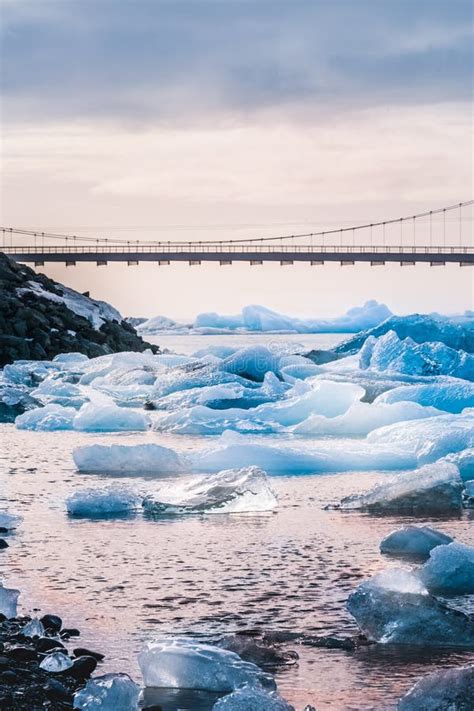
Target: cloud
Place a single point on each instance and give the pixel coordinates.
(206, 60)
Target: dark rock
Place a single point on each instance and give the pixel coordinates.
(52, 623)
(446, 690)
(46, 644)
(8, 677)
(154, 707)
(83, 667)
(55, 690)
(21, 653)
(4, 662)
(70, 632)
(3, 543)
(83, 652)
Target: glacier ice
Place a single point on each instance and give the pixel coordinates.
(432, 488)
(174, 380)
(449, 570)
(362, 417)
(110, 692)
(74, 359)
(394, 607)
(413, 542)
(56, 662)
(183, 663)
(33, 628)
(54, 390)
(392, 355)
(454, 333)
(8, 601)
(449, 394)
(110, 418)
(252, 699)
(47, 418)
(443, 690)
(464, 460)
(229, 491)
(128, 459)
(251, 363)
(102, 502)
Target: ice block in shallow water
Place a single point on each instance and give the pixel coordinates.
(251, 699)
(8, 601)
(56, 662)
(9, 521)
(413, 542)
(435, 488)
(183, 663)
(229, 491)
(102, 502)
(46, 419)
(111, 692)
(394, 607)
(34, 628)
(449, 570)
(445, 690)
(126, 459)
(110, 418)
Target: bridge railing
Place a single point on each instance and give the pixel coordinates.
(196, 248)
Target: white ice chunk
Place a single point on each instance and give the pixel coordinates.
(230, 491)
(47, 418)
(252, 699)
(252, 362)
(125, 459)
(363, 417)
(102, 502)
(110, 418)
(449, 394)
(432, 488)
(413, 542)
(70, 359)
(464, 460)
(8, 601)
(57, 391)
(9, 521)
(449, 570)
(56, 662)
(111, 692)
(394, 607)
(33, 628)
(182, 663)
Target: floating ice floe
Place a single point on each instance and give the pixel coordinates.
(413, 542)
(110, 418)
(231, 491)
(33, 628)
(394, 607)
(125, 459)
(102, 502)
(362, 417)
(391, 354)
(111, 692)
(449, 570)
(8, 601)
(182, 663)
(449, 394)
(56, 662)
(47, 418)
(9, 521)
(432, 488)
(252, 699)
(444, 690)
(28, 372)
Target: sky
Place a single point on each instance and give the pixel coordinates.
(195, 119)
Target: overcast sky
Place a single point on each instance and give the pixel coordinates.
(188, 118)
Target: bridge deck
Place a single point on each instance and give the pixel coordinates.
(242, 253)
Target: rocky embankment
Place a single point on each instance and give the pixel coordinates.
(40, 318)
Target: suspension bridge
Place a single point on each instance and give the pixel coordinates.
(437, 237)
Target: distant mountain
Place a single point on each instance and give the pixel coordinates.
(40, 318)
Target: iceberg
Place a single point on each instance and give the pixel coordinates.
(449, 570)
(362, 417)
(175, 380)
(454, 333)
(394, 607)
(8, 601)
(111, 692)
(434, 488)
(160, 323)
(56, 662)
(392, 355)
(47, 418)
(251, 363)
(102, 502)
(252, 699)
(110, 418)
(182, 663)
(68, 359)
(413, 542)
(445, 690)
(230, 491)
(128, 459)
(449, 394)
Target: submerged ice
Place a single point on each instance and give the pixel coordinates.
(102, 502)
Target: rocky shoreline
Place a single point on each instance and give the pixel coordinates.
(40, 319)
